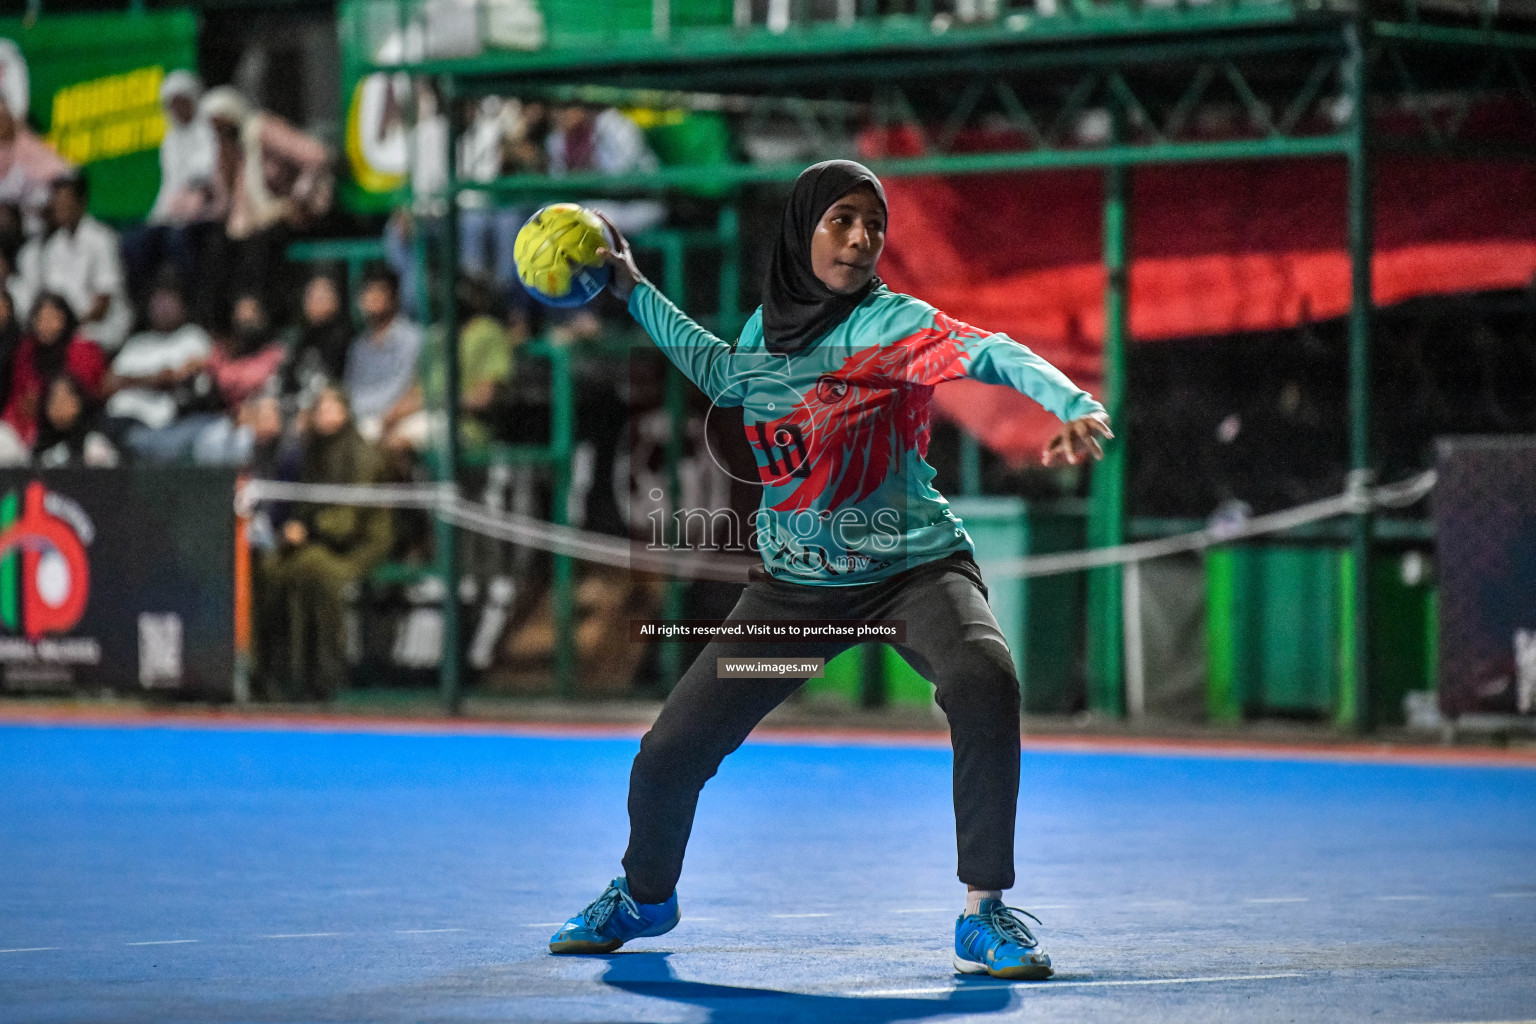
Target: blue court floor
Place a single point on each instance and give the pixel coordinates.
(213, 875)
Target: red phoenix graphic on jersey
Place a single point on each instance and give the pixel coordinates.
(850, 427)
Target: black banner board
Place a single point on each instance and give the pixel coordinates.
(1485, 539)
(118, 579)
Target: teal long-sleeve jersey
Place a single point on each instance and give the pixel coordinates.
(840, 428)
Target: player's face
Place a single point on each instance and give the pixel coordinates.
(848, 241)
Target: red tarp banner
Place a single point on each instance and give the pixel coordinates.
(1216, 249)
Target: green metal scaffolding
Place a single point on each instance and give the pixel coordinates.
(915, 71)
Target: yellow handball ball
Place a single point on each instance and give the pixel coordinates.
(556, 254)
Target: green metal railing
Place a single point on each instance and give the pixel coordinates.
(481, 39)
(1303, 74)
(673, 245)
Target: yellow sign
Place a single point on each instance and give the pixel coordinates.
(376, 136)
(106, 117)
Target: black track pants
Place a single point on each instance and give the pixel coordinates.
(951, 639)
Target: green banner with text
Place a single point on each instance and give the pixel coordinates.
(93, 90)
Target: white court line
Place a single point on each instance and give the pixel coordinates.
(162, 942)
(1051, 985)
(798, 915)
(701, 919)
(1402, 899)
(922, 910)
(543, 924)
(302, 935)
(1515, 896)
(425, 931)
(29, 949)
(1277, 899)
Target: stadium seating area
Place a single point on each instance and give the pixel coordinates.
(206, 336)
(278, 264)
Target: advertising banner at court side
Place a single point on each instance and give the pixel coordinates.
(1485, 530)
(117, 579)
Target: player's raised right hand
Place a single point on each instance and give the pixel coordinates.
(626, 272)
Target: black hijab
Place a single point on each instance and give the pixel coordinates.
(797, 307)
(320, 348)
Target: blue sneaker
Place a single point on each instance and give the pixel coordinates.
(996, 941)
(612, 920)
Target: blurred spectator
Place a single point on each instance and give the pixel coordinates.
(270, 177)
(12, 236)
(187, 157)
(28, 164)
(11, 240)
(158, 384)
(587, 138)
(318, 349)
(244, 366)
(400, 255)
(275, 453)
(503, 136)
(324, 550)
(381, 363)
(498, 141)
(485, 364)
(427, 148)
(10, 344)
(78, 259)
(52, 346)
(68, 433)
(10, 287)
(13, 451)
(594, 139)
(485, 360)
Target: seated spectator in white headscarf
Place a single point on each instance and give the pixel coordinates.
(78, 259)
(28, 164)
(186, 154)
(185, 198)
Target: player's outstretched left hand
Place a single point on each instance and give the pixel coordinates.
(1077, 438)
(626, 272)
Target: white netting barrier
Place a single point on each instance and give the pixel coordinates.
(685, 563)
